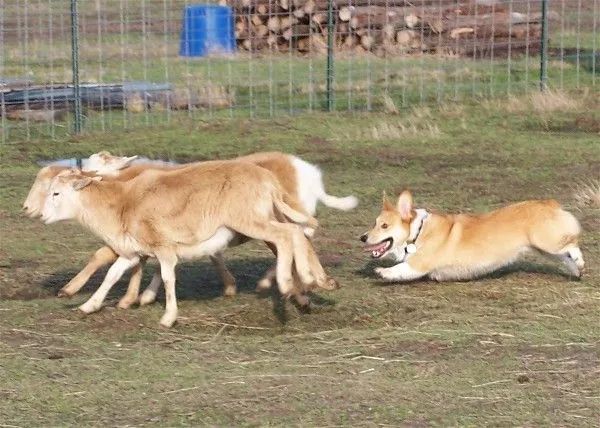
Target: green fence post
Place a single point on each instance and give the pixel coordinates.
(544, 48)
(75, 65)
(330, 36)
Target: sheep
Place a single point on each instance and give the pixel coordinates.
(185, 213)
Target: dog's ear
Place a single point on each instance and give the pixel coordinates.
(405, 205)
(387, 205)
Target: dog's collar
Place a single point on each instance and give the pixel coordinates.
(415, 230)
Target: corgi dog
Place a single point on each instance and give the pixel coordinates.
(464, 246)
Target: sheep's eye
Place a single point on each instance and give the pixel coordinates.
(384, 226)
(55, 194)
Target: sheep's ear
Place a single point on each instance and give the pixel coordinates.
(67, 172)
(84, 182)
(387, 205)
(127, 161)
(405, 205)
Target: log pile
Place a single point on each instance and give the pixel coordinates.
(384, 27)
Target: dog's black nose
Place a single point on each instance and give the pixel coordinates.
(363, 238)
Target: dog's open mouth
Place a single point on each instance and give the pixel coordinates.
(378, 250)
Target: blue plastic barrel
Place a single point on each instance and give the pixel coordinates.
(207, 29)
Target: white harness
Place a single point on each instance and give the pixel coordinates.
(416, 226)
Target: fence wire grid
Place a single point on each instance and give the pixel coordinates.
(97, 65)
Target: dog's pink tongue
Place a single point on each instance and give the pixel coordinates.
(375, 247)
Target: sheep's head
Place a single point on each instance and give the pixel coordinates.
(37, 194)
(62, 200)
(107, 164)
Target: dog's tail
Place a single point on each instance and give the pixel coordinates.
(281, 204)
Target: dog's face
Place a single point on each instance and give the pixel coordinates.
(392, 227)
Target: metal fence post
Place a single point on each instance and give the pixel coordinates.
(75, 65)
(330, 41)
(544, 48)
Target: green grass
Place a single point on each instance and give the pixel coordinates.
(517, 348)
(265, 84)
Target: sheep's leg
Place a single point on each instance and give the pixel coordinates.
(229, 287)
(298, 292)
(301, 258)
(322, 279)
(167, 272)
(267, 280)
(149, 294)
(102, 257)
(279, 235)
(115, 273)
(133, 289)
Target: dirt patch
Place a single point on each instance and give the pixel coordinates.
(321, 154)
(37, 344)
(588, 124)
(331, 259)
(392, 157)
(581, 123)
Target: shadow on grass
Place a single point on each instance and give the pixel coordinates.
(527, 267)
(195, 281)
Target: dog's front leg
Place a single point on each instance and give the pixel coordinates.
(400, 272)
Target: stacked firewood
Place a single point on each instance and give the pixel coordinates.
(386, 26)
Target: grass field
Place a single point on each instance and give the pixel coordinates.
(116, 47)
(519, 347)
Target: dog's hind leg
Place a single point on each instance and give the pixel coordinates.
(570, 255)
(573, 259)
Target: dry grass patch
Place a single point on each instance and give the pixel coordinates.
(553, 101)
(588, 194)
(389, 106)
(511, 104)
(540, 102)
(419, 122)
(391, 131)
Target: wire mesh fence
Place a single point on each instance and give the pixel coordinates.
(134, 63)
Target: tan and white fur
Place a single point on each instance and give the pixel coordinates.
(464, 246)
(184, 213)
(300, 179)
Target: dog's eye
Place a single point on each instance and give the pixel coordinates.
(384, 226)
(55, 194)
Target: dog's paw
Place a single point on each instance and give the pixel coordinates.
(385, 273)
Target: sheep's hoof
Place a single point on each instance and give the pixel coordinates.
(89, 308)
(147, 298)
(230, 291)
(125, 303)
(64, 293)
(330, 284)
(168, 320)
